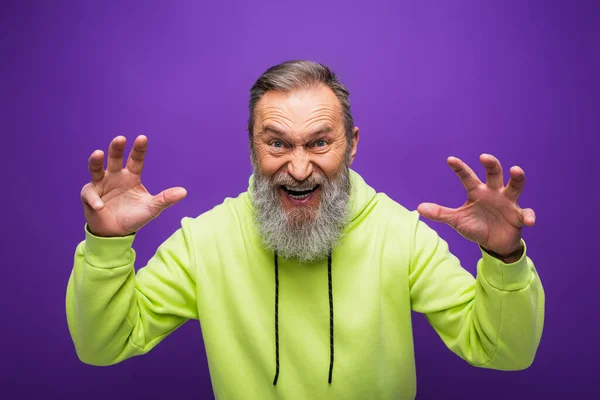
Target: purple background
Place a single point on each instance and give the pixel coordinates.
(517, 79)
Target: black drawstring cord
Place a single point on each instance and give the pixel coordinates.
(276, 320)
(330, 316)
(331, 342)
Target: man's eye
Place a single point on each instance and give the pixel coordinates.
(320, 143)
(277, 144)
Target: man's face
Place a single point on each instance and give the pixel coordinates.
(301, 188)
(300, 141)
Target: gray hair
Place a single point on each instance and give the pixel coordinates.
(300, 74)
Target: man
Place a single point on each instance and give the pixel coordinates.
(304, 284)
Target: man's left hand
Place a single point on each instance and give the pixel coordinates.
(491, 216)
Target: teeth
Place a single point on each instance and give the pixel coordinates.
(299, 193)
(301, 189)
(300, 197)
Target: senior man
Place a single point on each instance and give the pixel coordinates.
(304, 284)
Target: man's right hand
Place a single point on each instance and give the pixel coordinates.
(115, 201)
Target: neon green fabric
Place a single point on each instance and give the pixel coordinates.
(214, 269)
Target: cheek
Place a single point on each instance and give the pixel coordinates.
(268, 163)
(331, 162)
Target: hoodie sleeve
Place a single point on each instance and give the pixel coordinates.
(114, 313)
(494, 320)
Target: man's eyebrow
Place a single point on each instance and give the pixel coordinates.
(274, 131)
(322, 131)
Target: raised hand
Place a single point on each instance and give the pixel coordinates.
(115, 201)
(491, 216)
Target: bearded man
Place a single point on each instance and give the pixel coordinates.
(265, 271)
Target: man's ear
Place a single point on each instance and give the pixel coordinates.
(355, 138)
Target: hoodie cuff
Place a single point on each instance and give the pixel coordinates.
(108, 252)
(506, 277)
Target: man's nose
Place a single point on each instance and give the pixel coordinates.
(300, 166)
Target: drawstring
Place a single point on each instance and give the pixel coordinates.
(276, 320)
(331, 343)
(330, 316)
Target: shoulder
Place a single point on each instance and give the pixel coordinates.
(401, 217)
(369, 204)
(393, 213)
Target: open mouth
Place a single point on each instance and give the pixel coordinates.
(299, 194)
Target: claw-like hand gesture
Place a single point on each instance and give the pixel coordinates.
(491, 216)
(115, 201)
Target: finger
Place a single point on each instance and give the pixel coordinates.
(90, 197)
(96, 165)
(115, 154)
(515, 183)
(466, 175)
(135, 161)
(437, 213)
(528, 217)
(493, 171)
(167, 198)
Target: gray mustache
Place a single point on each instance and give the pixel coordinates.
(289, 182)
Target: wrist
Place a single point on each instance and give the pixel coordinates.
(509, 258)
(106, 235)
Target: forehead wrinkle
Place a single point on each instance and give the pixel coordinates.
(278, 120)
(323, 122)
(275, 117)
(326, 111)
(298, 119)
(271, 112)
(321, 114)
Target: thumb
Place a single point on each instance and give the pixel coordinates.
(167, 198)
(437, 213)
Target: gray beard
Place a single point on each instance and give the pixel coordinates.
(304, 233)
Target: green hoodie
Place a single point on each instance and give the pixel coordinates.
(389, 262)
